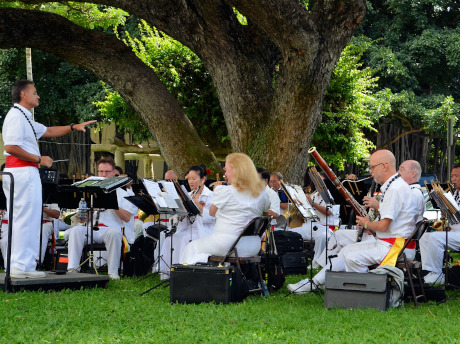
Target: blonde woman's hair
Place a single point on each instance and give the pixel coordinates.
(245, 176)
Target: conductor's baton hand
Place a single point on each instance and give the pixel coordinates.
(46, 161)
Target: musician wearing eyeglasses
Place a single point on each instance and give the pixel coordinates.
(398, 215)
(190, 227)
(275, 184)
(20, 135)
(109, 223)
(433, 245)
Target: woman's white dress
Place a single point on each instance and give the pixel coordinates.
(234, 211)
(186, 232)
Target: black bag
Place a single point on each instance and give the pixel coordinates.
(295, 263)
(139, 260)
(272, 269)
(288, 242)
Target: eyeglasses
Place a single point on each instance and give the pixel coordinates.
(371, 167)
(104, 171)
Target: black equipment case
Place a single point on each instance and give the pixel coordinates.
(352, 290)
(295, 263)
(288, 241)
(205, 283)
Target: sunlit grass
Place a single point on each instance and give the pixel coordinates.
(119, 314)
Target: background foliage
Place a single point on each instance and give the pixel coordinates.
(401, 69)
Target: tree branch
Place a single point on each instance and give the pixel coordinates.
(399, 137)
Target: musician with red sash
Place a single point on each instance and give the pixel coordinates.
(20, 135)
(398, 215)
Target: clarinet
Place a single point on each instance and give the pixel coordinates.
(358, 208)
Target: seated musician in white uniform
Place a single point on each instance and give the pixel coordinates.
(234, 206)
(410, 171)
(275, 184)
(318, 231)
(433, 245)
(190, 227)
(50, 212)
(398, 216)
(272, 195)
(109, 231)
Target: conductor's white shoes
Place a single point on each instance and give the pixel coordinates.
(16, 273)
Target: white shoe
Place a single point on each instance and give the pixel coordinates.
(434, 278)
(115, 277)
(16, 273)
(302, 287)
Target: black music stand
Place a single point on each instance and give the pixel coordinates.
(50, 181)
(94, 195)
(185, 206)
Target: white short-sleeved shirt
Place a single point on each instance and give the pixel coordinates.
(274, 200)
(18, 132)
(419, 201)
(397, 205)
(332, 220)
(235, 209)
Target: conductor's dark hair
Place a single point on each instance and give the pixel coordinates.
(456, 166)
(17, 88)
(106, 161)
(199, 170)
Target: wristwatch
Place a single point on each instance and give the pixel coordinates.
(71, 126)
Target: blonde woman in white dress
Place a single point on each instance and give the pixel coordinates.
(234, 206)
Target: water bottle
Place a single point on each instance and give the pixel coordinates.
(81, 212)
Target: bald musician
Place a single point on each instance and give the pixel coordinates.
(398, 216)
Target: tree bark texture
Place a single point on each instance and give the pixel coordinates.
(270, 75)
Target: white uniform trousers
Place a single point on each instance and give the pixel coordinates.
(111, 237)
(432, 247)
(27, 209)
(179, 242)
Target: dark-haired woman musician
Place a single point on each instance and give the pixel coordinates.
(189, 228)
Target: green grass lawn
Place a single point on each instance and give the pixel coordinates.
(119, 314)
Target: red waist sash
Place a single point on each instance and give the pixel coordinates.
(411, 245)
(12, 161)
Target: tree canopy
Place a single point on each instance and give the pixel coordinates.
(270, 72)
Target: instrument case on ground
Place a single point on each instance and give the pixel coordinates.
(205, 283)
(295, 263)
(352, 290)
(286, 241)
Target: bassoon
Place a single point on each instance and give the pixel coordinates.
(358, 208)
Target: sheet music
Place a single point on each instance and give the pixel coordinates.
(451, 200)
(153, 188)
(298, 197)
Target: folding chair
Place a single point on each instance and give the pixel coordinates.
(256, 226)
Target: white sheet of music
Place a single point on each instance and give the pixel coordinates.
(451, 199)
(155, 192)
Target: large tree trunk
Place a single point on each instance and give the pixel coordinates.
(270, 75)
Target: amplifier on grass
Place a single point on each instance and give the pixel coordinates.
(295, 263)
(351, 290)
(205, 283)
